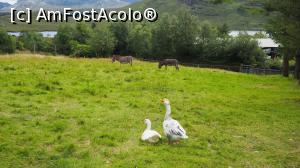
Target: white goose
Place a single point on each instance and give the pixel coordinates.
(150, 135)
(172, 128)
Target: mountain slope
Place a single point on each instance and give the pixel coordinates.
(3, 5)
(238, 14)
(76, 4)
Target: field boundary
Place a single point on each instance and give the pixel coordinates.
(248, 69)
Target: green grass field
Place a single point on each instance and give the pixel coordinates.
(64, 112)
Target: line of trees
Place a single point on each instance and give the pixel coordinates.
(179, 36)
(31, 41)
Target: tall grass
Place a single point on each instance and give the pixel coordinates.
(63, 112)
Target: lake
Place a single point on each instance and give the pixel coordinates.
(49, 34)
(234, 33)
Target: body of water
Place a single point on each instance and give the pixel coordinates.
(264, 43)
(234, 33)
(49, 34)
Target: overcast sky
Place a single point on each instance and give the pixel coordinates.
(9, 1)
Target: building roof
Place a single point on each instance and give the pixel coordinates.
(236, 33)
(267, 43)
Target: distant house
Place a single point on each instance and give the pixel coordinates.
(269, 46)
(236, 33)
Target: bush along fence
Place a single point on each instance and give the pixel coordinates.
(249, 69)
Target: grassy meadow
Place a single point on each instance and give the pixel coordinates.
(66, 112)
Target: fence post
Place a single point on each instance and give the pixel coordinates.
(55, 49)
(34, 48)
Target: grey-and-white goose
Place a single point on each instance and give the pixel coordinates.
(172, 128)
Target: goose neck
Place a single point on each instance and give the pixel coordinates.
(148, 126)
(168, 111)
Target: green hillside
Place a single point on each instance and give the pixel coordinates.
(65, 112)
(238, 14)
(35, 26)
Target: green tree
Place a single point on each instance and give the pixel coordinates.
(65, 34)
(207, 43)
(20, 45)
(102, 41)
(140, 38)
(164, 36)
(244, 49)
(223, 30)
(284, 26)
(7, 43)
(186, 34)
(207, 33)
(121, 32)
(82, 33)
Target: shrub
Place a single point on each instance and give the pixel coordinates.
(81, 50)
(7, 43)
(274, 63)
(244, 49)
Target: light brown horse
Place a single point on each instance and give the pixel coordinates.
(123, 59)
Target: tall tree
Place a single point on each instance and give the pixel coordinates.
(286, 52)
(65, 35)
(284, 26)
(206, 42)
(186, 34)
(121, 32)
(164, 35)
(7, 43)
(139, 39)
(102, 41)
(82, 33)
(223, 30)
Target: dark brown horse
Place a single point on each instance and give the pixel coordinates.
(168, 62)
(123, 59)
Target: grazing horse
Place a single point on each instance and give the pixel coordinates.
(123, 60)
(168, 62)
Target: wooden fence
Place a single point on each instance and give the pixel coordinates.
(259, 71)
